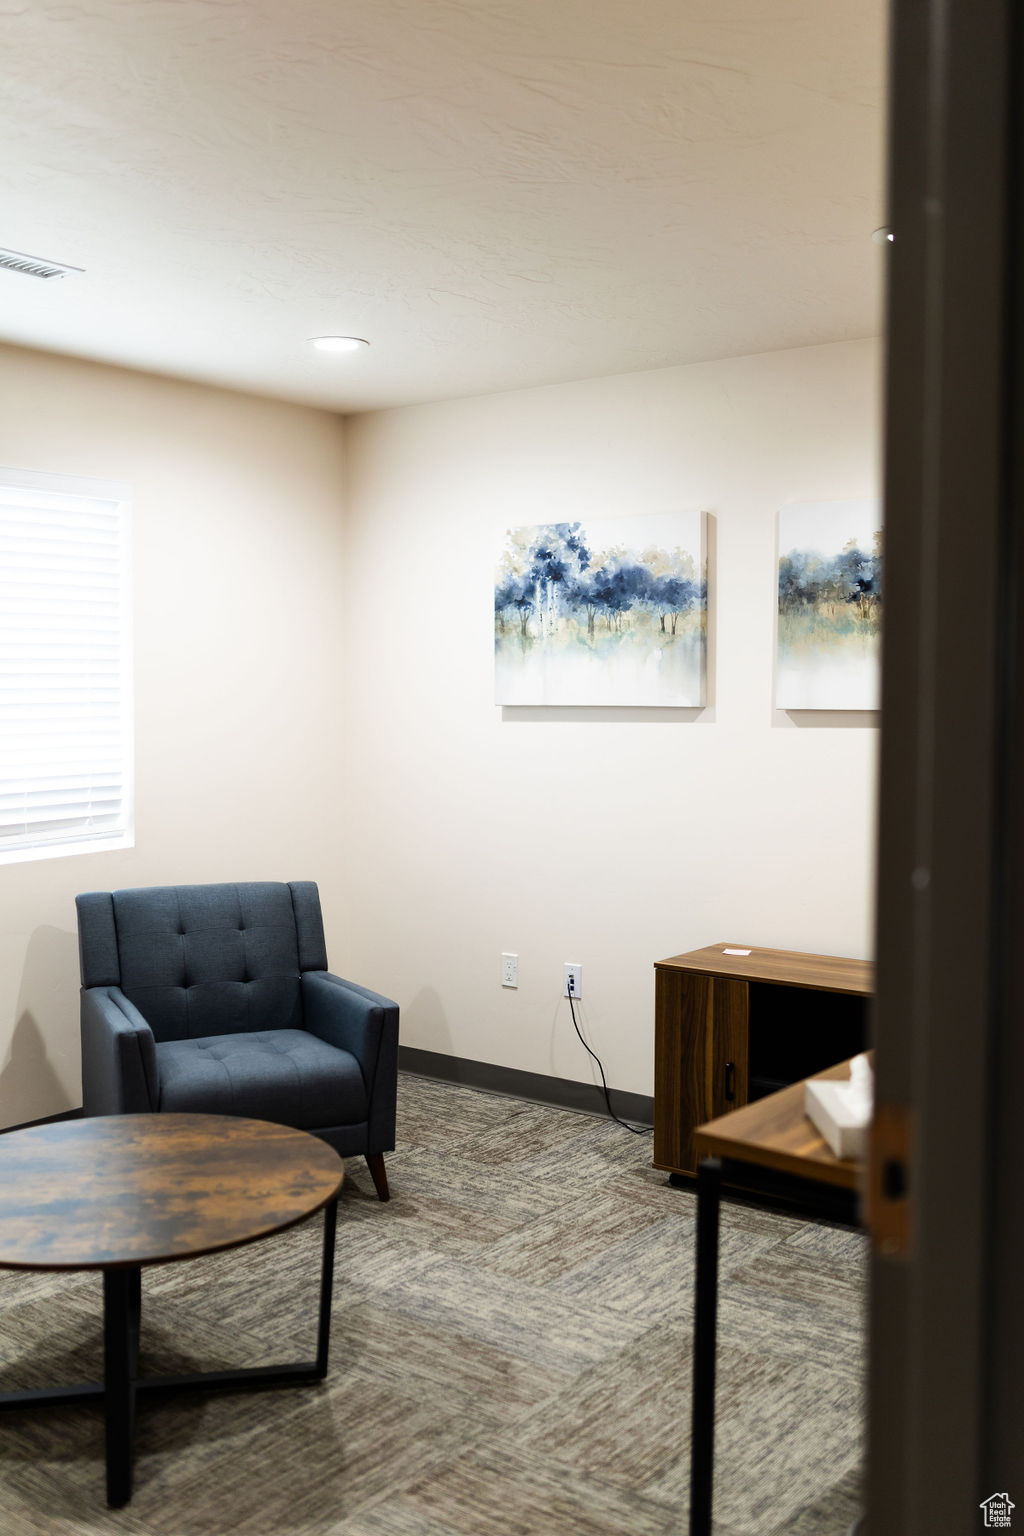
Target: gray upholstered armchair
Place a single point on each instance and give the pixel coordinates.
(217, 999)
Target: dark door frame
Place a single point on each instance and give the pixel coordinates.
(947, 1295)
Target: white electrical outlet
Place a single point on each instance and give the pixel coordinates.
(510, 970)
(572, 980)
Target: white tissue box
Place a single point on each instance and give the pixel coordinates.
(840, 1114)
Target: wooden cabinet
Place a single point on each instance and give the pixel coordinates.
(732, 1028)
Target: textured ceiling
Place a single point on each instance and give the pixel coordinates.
(495, 193)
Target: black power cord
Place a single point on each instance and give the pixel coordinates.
(637, 1130)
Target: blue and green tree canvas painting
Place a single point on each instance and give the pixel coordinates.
(830, 606)
(605, 612)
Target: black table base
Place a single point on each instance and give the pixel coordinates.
(121, 1384)
(705, 1328)
(712, 1174)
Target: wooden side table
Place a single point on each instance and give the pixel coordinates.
(117, 1192)
(772, 1133)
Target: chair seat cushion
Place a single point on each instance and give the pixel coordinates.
(286, 1075)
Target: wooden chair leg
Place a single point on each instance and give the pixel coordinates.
(375, 1163)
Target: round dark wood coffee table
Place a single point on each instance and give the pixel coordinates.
(117, 1192)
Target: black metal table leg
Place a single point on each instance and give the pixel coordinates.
(702, 1429)
(121, 1311)
(134, 1318)
(323, 1339)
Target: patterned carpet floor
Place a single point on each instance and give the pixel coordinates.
(510, 1357)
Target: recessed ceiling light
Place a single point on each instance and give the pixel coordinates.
(883, 236)
(339, 343)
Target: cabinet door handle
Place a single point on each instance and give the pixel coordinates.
(730, 1080)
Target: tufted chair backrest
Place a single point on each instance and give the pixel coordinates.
(205, 959)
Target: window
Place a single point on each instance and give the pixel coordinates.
(65, 682)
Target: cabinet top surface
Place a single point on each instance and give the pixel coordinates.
(826, 973)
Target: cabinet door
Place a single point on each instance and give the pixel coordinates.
(728, 1073)
(682, 1006)
(700, 1059)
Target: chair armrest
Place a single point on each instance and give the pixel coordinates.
(119, 1068)
(365, 1024)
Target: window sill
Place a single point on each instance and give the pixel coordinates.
(65, 850)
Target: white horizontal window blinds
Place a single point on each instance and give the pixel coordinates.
(65, 724)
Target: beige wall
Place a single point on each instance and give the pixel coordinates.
(239, 736)
(313, 706)
(608, 837)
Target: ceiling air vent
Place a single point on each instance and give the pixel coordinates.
(34, 266)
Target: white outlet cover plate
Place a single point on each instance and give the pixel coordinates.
(576, 972)
(510, 970)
